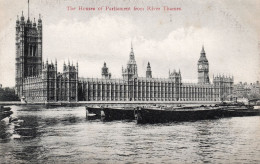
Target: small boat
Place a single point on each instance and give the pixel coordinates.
(5, 112)
(94, 111)
(3, 109)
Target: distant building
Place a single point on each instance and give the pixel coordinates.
(1, 86)
(37, 81)
(244, 90)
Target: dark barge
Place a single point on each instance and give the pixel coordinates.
(162, 115)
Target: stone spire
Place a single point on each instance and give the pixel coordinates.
(132, 56)
(203, 57)
(202, 50)
(131, 69)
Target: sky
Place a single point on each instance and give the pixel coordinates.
(228, 29)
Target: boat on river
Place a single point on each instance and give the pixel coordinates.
(5, 112)
(235, 105)
(4, 109)
(96, 111)
(175, 114)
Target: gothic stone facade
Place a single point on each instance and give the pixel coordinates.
(28, 51)
(39, 82)
(52, 86)
(36, 81)
(134, 88)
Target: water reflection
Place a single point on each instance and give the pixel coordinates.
(29, 153)
(5, 134)
(27, 128)
(205, 141)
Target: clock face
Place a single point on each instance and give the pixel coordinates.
(200, 66)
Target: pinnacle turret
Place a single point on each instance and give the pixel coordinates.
(17, 21)
(34, 23)
(22, 17)
(148, 71)
(39, 20)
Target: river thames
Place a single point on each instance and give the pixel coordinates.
(65, 135)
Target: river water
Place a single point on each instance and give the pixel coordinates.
(65, 135)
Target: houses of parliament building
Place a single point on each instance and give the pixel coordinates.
(39, 81)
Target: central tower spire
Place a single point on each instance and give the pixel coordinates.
(131, 70)
(132, 56)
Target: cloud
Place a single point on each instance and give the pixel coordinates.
(107, 38)
(92, 38)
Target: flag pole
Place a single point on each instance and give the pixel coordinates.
(28, 10)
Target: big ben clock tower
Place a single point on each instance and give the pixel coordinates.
(203, 68)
